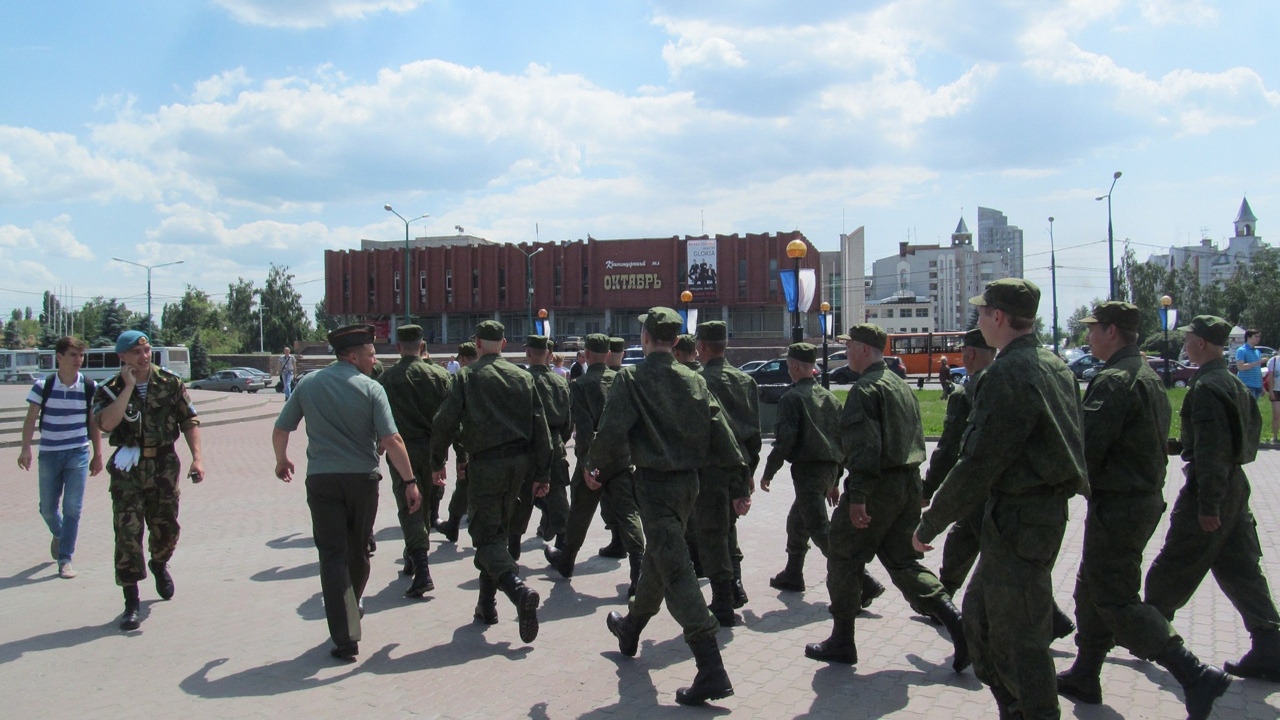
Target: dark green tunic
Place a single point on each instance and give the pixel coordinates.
(415, 390)
(807, 435)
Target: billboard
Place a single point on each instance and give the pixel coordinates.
(701, 256)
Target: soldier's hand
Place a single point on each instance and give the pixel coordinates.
(461, 469)
(127, 374)
(764, 483)
(540, 489)
(413, 497)
(858, 516)
(741, 506)
(197, 471)
(833, 497)
(437, 477)
(1209, 523)
(919, 546)
(592, 479)
(284, 470)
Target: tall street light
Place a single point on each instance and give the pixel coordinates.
(1111, 237)
(826, 318)
(1168, 316)
(686, 297)
(796, 250)
(149, 268)
(528, 283)
(404, 286)
(1053, 281)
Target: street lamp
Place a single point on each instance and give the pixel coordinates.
(826, 308)
(686, 297)
(528, 283)
(796, 250)
(404, 286)
(1168, 316)
(1111, 237)
(1053, 281)
(542, 318)
(149, 269)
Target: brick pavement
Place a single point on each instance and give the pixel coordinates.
(245, 635)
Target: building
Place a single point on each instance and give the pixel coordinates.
(843, 279)
(902, 313)
(996, 235)
(1214, 265)
(584, 286)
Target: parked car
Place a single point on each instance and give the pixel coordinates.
(773, 378)
(633, 356)
(1179, 374)
(229, 381)
(573, 343)
(750, 365)
(266, 377)
(844, 375)
(1082, 363)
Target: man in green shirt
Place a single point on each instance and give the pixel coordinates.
(553, 390)
(616, 548)
(458, 498)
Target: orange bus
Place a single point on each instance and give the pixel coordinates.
(921, 352)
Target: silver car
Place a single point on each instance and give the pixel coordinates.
(229, 381)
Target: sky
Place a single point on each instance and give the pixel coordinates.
(237, 134)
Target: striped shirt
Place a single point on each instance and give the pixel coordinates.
(65, 416)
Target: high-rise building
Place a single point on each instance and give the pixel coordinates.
(996, 235)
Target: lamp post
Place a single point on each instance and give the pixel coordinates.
(404, 286)
(542, 317)
(528, 283)
(686, 297)
(1111, 237)
(261, 347)
(149, 268)
(796, 250)
(1169, 316)
(1053, 281)
(826, 308)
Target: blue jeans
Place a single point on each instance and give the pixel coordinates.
(286, 379)
(1256, 392)
(62, 476)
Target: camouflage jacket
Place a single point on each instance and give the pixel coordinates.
(155, 421)
(1220, 430)
(739, 403)
(415, 390)
(1126, 426)
(808, 427)
(881, 432)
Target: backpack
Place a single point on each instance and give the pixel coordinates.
(46, 392)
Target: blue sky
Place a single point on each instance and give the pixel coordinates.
(233, 134)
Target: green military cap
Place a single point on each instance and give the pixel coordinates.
(713, 331)
(685, 343)
(974, 339)
(1210, 328)
(468, 349)
(1123, 315)
(350, 336)
(1015, 296)
(804, 352)
(408, 334)
(868, 333)
(662, 323)
(490, 330)
(617, 345)
(536, 342)
(597, 343)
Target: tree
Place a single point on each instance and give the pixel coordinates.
(11, 333)
(182, 320)
(325, 323)
(240, 317)
(283, 319)
(199, 358)
(114, 318)
(1076, 330)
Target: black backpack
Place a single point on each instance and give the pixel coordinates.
(47, 392)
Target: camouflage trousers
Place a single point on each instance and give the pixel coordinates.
(555, 505)
(616, 497)
(715, 526)
(414, 525)
(144, 497)
(809, 518)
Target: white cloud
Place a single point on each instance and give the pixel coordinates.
(711, 52)
(307, 14)
(1178, 12)
(219, 86)
(54, 239)
(51, 166)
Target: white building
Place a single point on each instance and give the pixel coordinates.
(1211, 263)
(901, 313)
(996, 235)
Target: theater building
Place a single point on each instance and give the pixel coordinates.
(585, 286)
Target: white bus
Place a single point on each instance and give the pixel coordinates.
(103, 363)
(21, 365)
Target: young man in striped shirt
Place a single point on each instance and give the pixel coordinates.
(67, 433)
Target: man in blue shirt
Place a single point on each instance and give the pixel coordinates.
(1249, 362)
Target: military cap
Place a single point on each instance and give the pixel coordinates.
(351, 336)
(685, 343)
(662, 323)
(804, 352)
(468, 349)
(617, 345)
(409, 334)
(1210, 328)
(1016, 296)
(974, 339)
(868, 333)
(536, 342)
(597, 343)
(713, 331)
(128, 339)
(490, 330)
(1123, 315)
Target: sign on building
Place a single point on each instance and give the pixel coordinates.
(702, 269)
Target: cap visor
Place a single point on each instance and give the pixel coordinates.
(978, 300)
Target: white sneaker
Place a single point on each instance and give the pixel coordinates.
(65, 570)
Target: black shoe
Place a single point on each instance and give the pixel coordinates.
(164, 582)
(871, 589)
(130, 621)
(1062, 625)
(950, 619)
(544, 529)
(487, 607)
(614, 549)
(739, 592)
(1201, 684)
(1082, 681)
(791, 578)
(346, 653)
(449, 529)
(838, 648)
(422, 583)
(526, 601)
(408, 563)
(627, 630)
(711, 682)
(722, 603)
(1262, 662)
(561, 561)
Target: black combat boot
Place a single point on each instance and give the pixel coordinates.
(614, 549)
(837, 648)
(739, 592)
(1263, 659)
(1006, 703)
(949, 616)
(513, 546)
(164, 582)
(434, 512)
(792, 576)
(636, 560)
(487, 607)
(408, 562)
(1083, 681)
(525, 599)
(627, 630)
(449, 529)
(711, 682)
(130, 621)
(1062, 625)
(560, 560)
(422, 583)
(871, 589)
(722, 603)
(1201, 684)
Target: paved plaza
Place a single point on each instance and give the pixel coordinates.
(245, 635)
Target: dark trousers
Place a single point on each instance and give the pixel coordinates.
(618, 494)
(555, 505)
(715, 528)
(494, 490)
(960, 550)
(343, 508)
(809, 518)
(414, 525)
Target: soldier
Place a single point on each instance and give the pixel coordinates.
(553, 390)
(685, 352)
(616, 548)
(494, 409)
(1126, 423)
(884, 443)
(1023, 455)
(663, 414)
(1211, 526)
(144, 408)
(415, 388)
(458, 499)
(724, 487)
(587, 397)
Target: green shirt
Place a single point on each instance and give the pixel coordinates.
(739, 404)
(807, 429)
(880, 431)
(347, 413)
(415, 389)
(154, 421)
(553, 391)
(944, 456)
(1126, 426)
(1220, 429)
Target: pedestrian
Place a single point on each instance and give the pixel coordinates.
(1126, 424)
(454, 364)
(1274, 395)
(944, 378)
(557, 365)
(348, 419)
(1249, 362)
(1023, 455)
(59, 404)
(662, 413)
(579, 365)
(288, 364)
(458, 498)
(553, 391)
(415, 389)
(144, 408)
(1211, 527)
(493, 408)
(884, 442)
(616, 549)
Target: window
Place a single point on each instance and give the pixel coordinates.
(448, 286)
(475, 285)
(742, 279)
(888, 312)
(773, 276)
(422, 287)
(922, 312)
(502, 285)
(396, 285)
(559, 281)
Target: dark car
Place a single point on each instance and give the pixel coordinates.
(845, 375)
(1179, 374)
(1082, 363)
(773, 378)
(633, 356)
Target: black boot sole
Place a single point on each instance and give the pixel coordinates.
(416, 592)
(697, 696)
(1242, 671)
(614, 622)
(527, 612)
(1216, 689)
(787, 585)
(1066, 689)
(815, 651)
(484, 617)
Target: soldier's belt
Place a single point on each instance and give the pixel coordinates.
(150, 452)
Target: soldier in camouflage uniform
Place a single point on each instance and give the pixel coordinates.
(1023, 455)
(685, 351)
(553, 390)
(1211, 527)
(883, 442)
(663, 415)
(616, 548)
(415, 389)
(144, 408)
(458, 499)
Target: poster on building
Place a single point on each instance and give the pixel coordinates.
(702, 269)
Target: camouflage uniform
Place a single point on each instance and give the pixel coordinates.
(553, 390)
(960, 551)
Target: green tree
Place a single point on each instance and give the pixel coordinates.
(11, 333)
(1076, 330)
(240, 316)
(114, 318)
(283, 319)
(191, 314)
(325, 323)
(199, 358)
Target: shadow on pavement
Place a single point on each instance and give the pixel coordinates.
(293, 541)
(468, 643)
(275, 678)
(300, 572)
(25, 577)
(797, 613)
(564, 602)
(57, 640)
